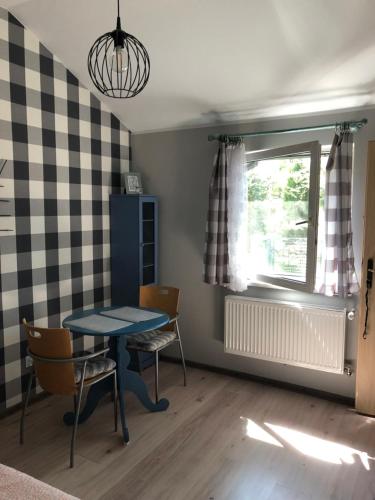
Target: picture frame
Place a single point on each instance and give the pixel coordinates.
(133, 183)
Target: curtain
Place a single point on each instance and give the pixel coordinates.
(339, 274)
(237, 218)
(226, 230)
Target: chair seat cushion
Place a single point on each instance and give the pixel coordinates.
(94, 367)
(150, 341)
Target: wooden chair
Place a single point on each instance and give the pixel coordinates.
(60, 372)
(165, 298)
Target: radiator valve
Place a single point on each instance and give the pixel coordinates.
(348, 370)
(351, 314)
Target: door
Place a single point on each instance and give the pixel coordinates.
(365, 379)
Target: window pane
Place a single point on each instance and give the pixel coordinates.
(278, 217)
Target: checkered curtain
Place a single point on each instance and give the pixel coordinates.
(216, 270)
(226, 231)
(339, 273)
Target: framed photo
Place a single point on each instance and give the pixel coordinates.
(133, 183)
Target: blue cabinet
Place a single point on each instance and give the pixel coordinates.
(134, 251)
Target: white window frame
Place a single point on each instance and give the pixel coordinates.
(314, 148)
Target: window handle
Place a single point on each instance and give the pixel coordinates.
(302, 222)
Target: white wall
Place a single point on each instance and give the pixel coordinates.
(176, 166)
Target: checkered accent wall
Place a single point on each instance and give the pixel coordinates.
(65, 154)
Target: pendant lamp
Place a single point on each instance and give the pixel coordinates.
(118, 63)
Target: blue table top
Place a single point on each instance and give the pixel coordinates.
(141, 326)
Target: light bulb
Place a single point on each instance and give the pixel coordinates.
(119, 60)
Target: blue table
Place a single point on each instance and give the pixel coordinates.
(126, 379)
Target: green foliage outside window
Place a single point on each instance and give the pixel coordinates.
(278, 194)
(291, 185)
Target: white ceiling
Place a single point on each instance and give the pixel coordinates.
(218, 61)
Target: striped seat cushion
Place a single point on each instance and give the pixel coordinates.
(94, 367)
(150, 341)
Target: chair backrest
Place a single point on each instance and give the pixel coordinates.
(55, 378)
(165, 298)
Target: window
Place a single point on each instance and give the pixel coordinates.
(285, 205)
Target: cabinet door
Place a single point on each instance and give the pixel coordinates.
(125, 266)
(148, 239)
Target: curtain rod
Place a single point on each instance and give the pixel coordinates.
(353, 125)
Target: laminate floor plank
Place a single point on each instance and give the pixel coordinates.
(222, 438)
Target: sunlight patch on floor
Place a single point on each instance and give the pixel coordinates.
(307, 444)
(255, 431)
(322, 449)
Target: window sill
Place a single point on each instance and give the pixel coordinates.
(272, 286)
(263, 284)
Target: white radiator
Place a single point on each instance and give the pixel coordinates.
(293, 334)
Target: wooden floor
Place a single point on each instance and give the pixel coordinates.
(221, 438)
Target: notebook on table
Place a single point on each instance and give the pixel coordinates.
(131, 314)
(98, 323)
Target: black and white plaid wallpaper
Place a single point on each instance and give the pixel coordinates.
(65, 154)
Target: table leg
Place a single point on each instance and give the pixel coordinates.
(94, 395)
(127, 380)
(134, 383)
(121, 380)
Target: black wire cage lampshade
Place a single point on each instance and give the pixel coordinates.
(118, 63)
